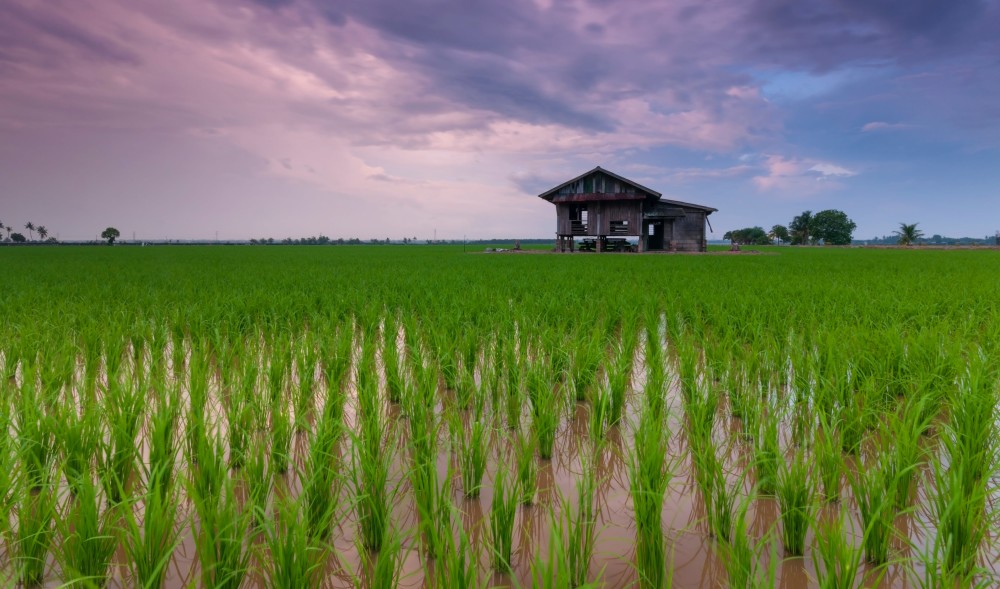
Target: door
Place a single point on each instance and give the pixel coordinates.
(654, 240)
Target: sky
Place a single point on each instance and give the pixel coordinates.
(414, 118)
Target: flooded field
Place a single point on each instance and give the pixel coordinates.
(413, 417)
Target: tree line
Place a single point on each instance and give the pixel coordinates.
(17, 237)
(829, 227)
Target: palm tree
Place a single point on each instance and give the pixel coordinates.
(908, 234)
(42, 232)
(30, 227)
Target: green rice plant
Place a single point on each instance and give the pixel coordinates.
(79, 437)
(742, 554)
(304, 398)
(795, 492)
(618, 377)
(258, 478)
(371, 460)
(874, 487)
(473, 443)
(458, 566)
(549, 570)
(585, 365)
(293, 559)
(581, 525)
(720, 506)
(829, 460)
(513, 383)
(161, 438)
(239, 426)
(222, 525)
(433, 502)
(546, 424)
(281, 437)
(89, 538)
(321, 481)
(599, 416)
(904, 435)
(649, 475)
(527, 467)
(767, 457)
(34, 432)
(502, 512)
(839, 561)
(149, 539)
(35, 530)
(959, 498)
(394, 379)
(383, 570)
(124, 408)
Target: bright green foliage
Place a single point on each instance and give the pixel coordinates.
(295, 398)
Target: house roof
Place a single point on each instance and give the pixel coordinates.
(552, 195)
(548, 193)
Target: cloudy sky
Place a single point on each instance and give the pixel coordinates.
(392, 118)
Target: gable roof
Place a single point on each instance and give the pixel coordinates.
(549, 193)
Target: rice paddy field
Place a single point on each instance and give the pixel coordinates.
(418, 417)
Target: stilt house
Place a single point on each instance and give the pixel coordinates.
(605, 209)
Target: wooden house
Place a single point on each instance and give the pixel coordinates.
(606, 209)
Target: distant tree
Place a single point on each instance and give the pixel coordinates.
(780, 233)
(801, 229)
(748, 236)
(111, 234)
(42, 232)
(18, 238)
(908, 234)
(833, 227)
(8, 228)
(30, 227)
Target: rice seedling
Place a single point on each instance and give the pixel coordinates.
(767, 457)
(527, 467)
(502, 511)
(545, 424)
(150, 536)
(743, 555)
(472, 442)
(649, 475)
(281, 436)
(458, 566)
(829, 460)
(581, 525)
(258, 478)
(293, 559)
(89, 538)
(618, 376)
(840, 562)
(383, 570)
(321, 482)
(795, 492)
(35, 531)
(371, 460)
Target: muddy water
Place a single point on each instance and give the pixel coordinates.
(694, 554)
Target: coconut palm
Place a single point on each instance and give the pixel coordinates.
(30, 227)
(42, 232)
(908, 234)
